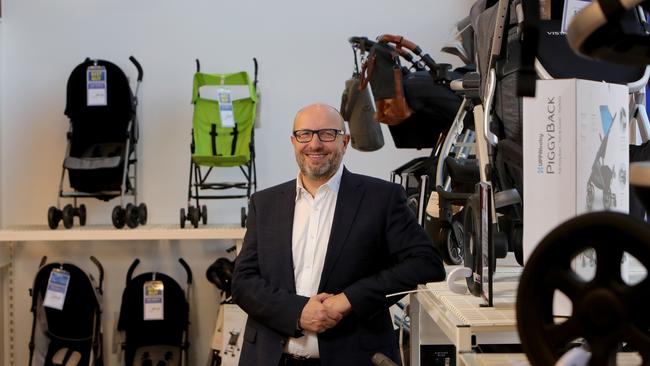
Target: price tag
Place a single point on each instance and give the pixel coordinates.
(571, 8)
(96, 86)
(225, 108)
(57, 288)
(154, 304)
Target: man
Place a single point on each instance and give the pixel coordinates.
(322, 252)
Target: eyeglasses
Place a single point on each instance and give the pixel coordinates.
(325, 135)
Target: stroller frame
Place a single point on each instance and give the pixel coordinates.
(131, 214)
(198, 180)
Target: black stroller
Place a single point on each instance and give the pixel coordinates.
(102, 141)
(66, 305)
(155, 334)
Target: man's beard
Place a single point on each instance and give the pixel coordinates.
(324, 170)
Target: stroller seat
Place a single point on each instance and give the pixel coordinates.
(214, 143)
(159, 340)
(67, 333)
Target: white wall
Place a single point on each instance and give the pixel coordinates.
(301, 46)
(304, 57)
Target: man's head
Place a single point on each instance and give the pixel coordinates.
(319, 160)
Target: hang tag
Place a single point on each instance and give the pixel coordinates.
(154, 305)
(571, 8)
(57, 288)
(225, 108)
(96, 86)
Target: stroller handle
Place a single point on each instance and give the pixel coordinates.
(198, 65)
(100, 269)
(187, 270)
(400, 41)
(129, 273)
(137, 66)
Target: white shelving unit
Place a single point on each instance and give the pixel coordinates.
(22, 244)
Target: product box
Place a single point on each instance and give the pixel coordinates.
(576, 157)
(228, 337)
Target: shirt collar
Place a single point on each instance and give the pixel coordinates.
(332, 184)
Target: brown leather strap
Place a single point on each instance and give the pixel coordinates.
(399, 41)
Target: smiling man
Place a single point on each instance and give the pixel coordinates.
(321, 253)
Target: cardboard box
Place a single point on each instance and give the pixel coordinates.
(576, 158)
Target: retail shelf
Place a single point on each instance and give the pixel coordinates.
(109, 233)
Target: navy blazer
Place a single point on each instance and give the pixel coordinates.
(375, 248)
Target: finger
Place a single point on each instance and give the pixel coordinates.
(322, 296)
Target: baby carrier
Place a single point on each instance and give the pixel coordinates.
(101, 154)
(66, 305)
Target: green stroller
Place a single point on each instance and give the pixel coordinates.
(222, 137)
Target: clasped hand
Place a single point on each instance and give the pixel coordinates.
(324, 311)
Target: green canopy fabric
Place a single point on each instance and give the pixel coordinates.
(214, 144)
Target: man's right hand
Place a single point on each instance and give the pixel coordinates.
(315, 317)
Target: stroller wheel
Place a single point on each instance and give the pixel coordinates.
(118, 217)
(132, 216)
(195, 216)
(183, 218)
(244, 217)
(82, 214)
(517, 239)
(142, 214)
(68, 216)
(471, 242)
(204, 214)
(53, 217)
(452, 249)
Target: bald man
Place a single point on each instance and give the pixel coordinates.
(321, 253)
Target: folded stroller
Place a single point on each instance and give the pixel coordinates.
(66, 305)
(154, 319)
(222, 137)
(101, 154)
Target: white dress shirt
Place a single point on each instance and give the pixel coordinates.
(312, 223)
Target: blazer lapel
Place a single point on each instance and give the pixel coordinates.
(347, 206)
(284, 219)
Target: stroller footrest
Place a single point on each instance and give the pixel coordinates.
(457, 198)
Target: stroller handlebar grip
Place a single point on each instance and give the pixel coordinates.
(129, 273)
(256, 69)
(198, 65)
(187, 269)
(399, 40)
(137, 66)
(100, 269)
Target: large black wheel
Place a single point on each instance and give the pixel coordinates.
(472, 248)
(142, 214)
(607, 312)
(82, 215)
(118, 217)
(68, 216)
(53, 217)
(183, 218)
(132, 220)
(204, 214)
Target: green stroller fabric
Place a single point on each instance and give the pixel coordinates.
(214, 144)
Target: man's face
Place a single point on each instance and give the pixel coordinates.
(319, 160)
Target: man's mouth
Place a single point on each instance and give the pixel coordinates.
(316, 156)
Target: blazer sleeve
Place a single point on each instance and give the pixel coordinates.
(270, 305)
(413, 260)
